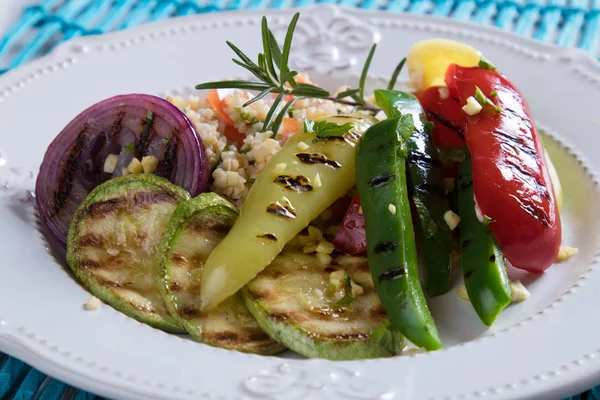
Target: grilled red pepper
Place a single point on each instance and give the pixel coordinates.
(447, 115)
(352, 238)
(511, 183)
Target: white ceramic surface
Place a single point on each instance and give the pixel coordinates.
(546, 347)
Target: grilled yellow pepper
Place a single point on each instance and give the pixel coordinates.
(299, 182)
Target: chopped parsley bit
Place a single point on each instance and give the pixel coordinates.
(325, 129)
(428, 126)
(484, 100)
(487, 220)
(485, 64)
(149, 117)
(345, 301)
(246, 150)
(244, 116)
(251, 180)
(129, 148)
(493, 93)
(166, 140)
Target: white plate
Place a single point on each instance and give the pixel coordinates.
(545, 347)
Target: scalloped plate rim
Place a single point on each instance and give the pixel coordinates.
(20, 348)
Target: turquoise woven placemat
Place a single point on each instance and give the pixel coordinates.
(46, 24)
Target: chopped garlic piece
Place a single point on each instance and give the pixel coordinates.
(113, 252)
(318, 292)
(309, 249)
(450, 184)
(357, 290)
(317, 182)
(110, 164)
(451, 219)
(135, 167)
(336, 278)
(360, 212)
(472, 107)
(325, 247)
(324, 259)
(314, 233)
(93, 303)
(392, 209)
(444, 93)
(302, 146)
(518, 292)
(566, 252)
(279, 168)
(150, 164)
(462, 293)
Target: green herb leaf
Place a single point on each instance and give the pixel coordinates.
(365, 71)
(485, 64)
(166, 140)
(258, 97)
(326, 129)
(279, 119)
(266, 39)
(427, 223)
(272, 111)
(251, 180)
(287, 46)
(149, 117)
(450, 155)
(485, 101)
(346, 93)
(129, 148)
(396, 73)
(275, 51)
(493, 93)
(305, 89)
(345, 301)
(256, 71)
(244, 115)
(487, 220)
(288, 77)
(249, 85)
(428, 126)
(245, 150)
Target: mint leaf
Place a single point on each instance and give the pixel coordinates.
(487, 220)
(325, 129)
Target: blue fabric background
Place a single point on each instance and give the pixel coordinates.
(44, 25)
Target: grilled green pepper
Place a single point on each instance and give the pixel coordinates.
(481, 259)
(426, 184)
(381, 183)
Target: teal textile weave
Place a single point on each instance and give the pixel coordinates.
(50, 22)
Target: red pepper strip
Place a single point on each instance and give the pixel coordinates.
(511, 182)
(447, 115)
(351, 238)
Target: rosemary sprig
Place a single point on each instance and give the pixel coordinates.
(274, 75)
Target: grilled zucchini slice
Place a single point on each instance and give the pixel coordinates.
(195, 229)
(294, 301)
(112, 244)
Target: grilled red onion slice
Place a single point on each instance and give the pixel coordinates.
(134, 125)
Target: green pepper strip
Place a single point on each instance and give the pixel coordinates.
(381, 182)
(481, 259)
(426, 184)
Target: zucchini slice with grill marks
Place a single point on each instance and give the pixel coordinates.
(112, 244)
(295, 302)
(195, 229)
